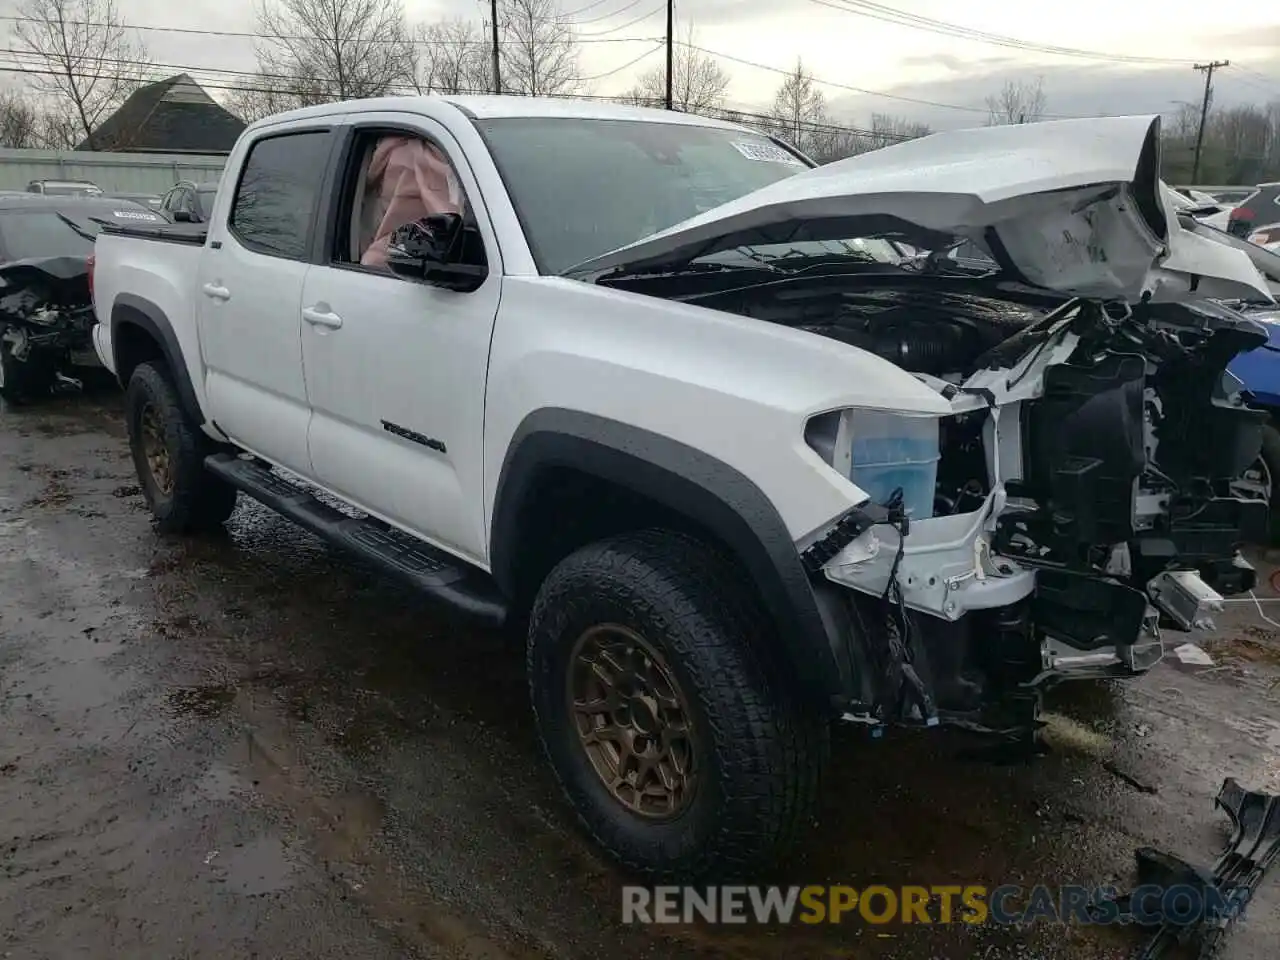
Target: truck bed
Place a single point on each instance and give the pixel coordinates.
(188, 233)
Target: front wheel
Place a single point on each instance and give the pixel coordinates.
(681, 751)
(168, 454)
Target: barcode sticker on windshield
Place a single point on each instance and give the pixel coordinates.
(765, 151)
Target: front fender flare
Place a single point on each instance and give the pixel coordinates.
(695, 485)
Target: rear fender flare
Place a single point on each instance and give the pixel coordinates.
(130, 309)
(691, 483)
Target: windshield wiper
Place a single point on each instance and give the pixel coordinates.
(685, 269)
(76, 227)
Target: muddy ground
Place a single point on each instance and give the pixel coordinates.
(245, 746)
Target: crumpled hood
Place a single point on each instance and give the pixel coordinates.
(1073, 206)
(18, 272)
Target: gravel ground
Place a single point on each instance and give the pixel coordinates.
(248, 746)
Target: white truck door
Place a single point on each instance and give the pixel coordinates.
(249, 294)
(395, 368)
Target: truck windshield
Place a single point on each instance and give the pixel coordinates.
(37, 234)
(583, 187)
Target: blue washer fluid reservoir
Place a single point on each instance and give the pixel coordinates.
(888, 451)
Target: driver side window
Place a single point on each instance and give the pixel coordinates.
(393, 178)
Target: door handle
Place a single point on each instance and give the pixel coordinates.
(321, 318)
(215, 292)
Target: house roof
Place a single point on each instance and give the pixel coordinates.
(168, 116)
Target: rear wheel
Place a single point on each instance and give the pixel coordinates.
(683, 752)
(168, 454)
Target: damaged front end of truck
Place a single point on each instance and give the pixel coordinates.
(1096, 450)
(1073, 504)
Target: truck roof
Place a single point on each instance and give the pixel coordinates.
(494, 107)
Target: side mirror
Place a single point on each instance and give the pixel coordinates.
(430, 250)
(181, 216)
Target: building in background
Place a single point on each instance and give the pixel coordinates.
(169, 116)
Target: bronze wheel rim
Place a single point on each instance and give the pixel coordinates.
(633, 721)
(156, 450)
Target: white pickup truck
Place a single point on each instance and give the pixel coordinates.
(739, 441)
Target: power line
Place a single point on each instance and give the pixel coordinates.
(630, 63)
(832, 83)
(621, 26)
(874, 93)
(183, 68)
(747, 118)
(1254, 85)
(1254, 73)
(876, 11)
(118, 64)
(244, 35)
(589, 6)
(586, 39)
(604, 16)
(1256, 79)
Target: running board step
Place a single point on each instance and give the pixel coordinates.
(434, 572)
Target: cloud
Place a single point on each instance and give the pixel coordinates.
(1267, 38)
(1069, 90)
(967, 65)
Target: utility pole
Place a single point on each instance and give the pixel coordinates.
(497, 63)
(671, 19)
(1208, 69)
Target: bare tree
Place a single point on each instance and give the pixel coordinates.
(1017, 102)
(455, 58)
(81, 53)
(19, 122)
(698, 82)
(828, 144)
(1241, 135)
(893, 129)
(324, 50)
(539, 56)
(59, 128)
(799, 107)
(263, 94)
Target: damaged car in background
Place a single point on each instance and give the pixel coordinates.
(46, 309)
(1052, 484)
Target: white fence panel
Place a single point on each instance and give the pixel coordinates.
(113, 172)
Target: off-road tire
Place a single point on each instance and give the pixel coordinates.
(199, 501)
(759, 753)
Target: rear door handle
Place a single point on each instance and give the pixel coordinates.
(321, 318)
(215, 292)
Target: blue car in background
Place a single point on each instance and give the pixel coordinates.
(1259, 372)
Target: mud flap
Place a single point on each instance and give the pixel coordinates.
(1222, 893)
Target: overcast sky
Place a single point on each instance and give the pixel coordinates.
(855, 51)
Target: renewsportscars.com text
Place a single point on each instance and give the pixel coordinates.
(952, 903)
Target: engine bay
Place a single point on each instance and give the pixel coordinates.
(1134, 433)
(1082, 492)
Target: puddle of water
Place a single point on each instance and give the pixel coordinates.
(263, 865)
(218, 783)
